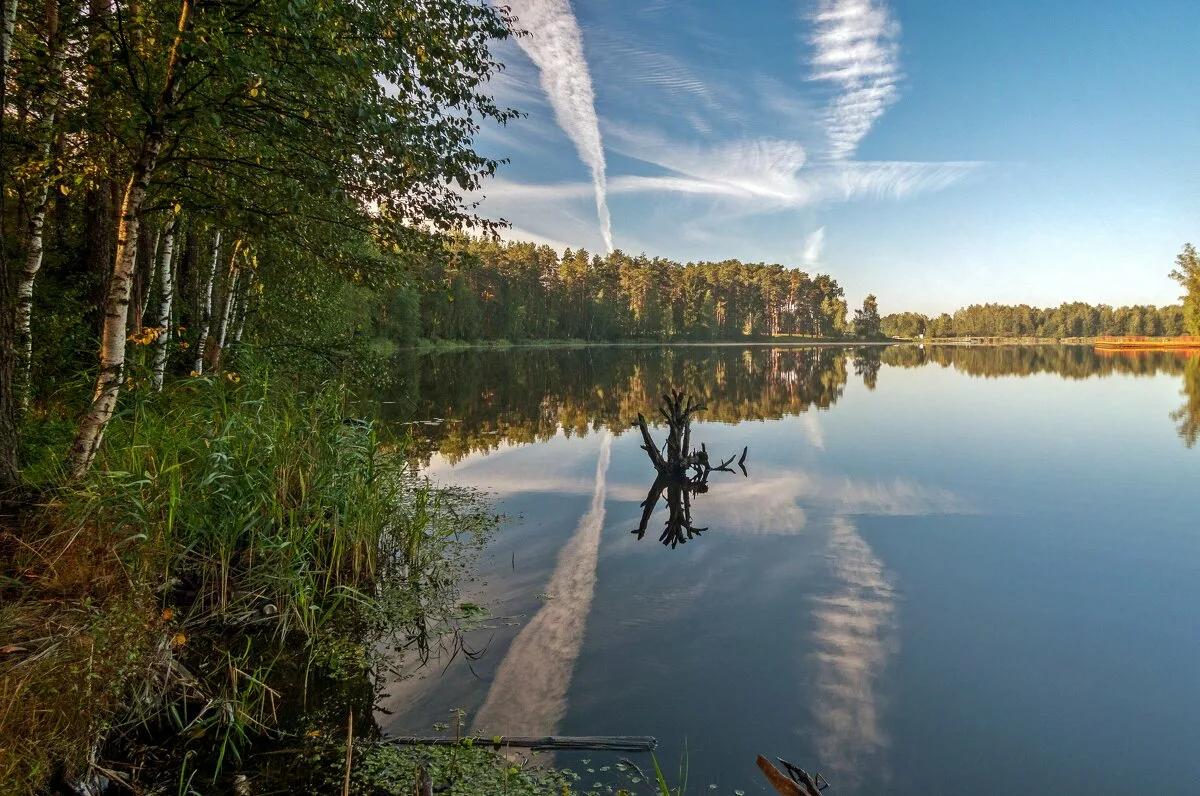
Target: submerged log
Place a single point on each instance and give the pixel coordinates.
(601, 743)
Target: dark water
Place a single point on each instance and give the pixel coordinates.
(952, 571)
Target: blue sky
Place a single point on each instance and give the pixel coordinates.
(934, 153)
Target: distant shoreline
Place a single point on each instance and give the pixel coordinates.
(443, 346)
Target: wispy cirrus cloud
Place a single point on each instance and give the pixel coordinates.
(856, 48)
(718, 144)
(555, 45)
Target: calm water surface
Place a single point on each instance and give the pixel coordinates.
(950, 570)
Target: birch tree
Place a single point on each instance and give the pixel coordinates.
(272, 118)
(206, 297)
(166, 297)
(244, 304)
(228, 295)
(116, 304)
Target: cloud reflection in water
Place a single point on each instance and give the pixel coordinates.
(853, 640)
(529, 693)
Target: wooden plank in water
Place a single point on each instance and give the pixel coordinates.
(614, 743)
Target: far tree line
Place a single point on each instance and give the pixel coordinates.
(1073, 319)
(492, 290)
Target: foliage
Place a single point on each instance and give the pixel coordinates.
(866, 320)
(515, 291)
(1074, 319)
(323, 133)
(464, 770)
(1187, 274)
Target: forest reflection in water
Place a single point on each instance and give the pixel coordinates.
(473, 401)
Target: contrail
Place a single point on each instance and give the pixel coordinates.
(556, 47)
(529, 694)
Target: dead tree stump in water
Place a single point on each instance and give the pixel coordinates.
(682, 472)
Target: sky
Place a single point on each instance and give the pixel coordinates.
(935, 153)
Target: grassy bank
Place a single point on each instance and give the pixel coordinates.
(237, 542)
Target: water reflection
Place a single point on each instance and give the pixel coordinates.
(474, 401)
(681, 471)
(529, 693)
(1068, 361)
(852, 644)
(1187, 417)
(951, 541)
(488, 398)
(867, 362)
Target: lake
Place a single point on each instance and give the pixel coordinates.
(949, 569)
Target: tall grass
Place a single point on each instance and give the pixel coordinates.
(256, 499)
(223, 516)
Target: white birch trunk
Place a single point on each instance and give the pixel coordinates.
(243, 306)
(116, 306)
(206, 307)
(231, 286)
(35, 244)
(24, 310)
(150, 277)
(116, 311)
(6, 35)
(230, 303)
(166, 296)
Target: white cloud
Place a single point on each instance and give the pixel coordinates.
(813, 243)
(855, 47)
(556, 48)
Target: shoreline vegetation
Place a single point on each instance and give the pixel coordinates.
(1107, 341)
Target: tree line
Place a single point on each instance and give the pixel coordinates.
(488, 290)
(1073, 319)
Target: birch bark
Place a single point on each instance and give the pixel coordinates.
(166, 297)
(206, 306)
(116, 306)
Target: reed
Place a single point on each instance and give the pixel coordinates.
(225, 517)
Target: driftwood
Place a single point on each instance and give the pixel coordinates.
(601, 743)
(796, 782)
(681, 471)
